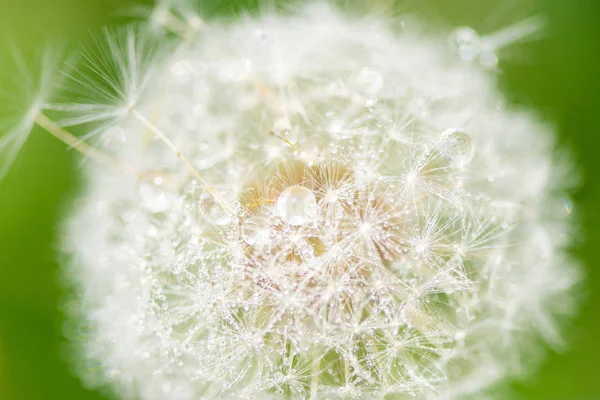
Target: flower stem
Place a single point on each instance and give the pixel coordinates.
(85, 149)
(162, 136)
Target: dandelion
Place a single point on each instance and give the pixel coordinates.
(309, 205)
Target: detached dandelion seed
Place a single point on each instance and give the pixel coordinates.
(322, 207)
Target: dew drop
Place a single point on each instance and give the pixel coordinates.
(113, 137)
(213, 150)
(297, 205)
(212, 211)
(488, 59)
(331, 196)
(256, 231)
(567, 207)
(456, 145)
(468, 43)
(369, 80)
(154, 197)
(181, 69)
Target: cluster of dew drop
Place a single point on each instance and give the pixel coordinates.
(337, 237)
(328, 280)
(332, 280)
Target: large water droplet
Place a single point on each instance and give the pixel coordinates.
(456, 145)
(154, 197)
(212, 210)
(256, 231)
(297, 205)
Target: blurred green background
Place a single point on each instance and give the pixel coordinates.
(558, 75)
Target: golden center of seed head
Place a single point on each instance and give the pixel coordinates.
(321, 208)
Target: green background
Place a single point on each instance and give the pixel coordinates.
(557, 75)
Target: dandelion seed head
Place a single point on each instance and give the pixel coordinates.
(317, 219)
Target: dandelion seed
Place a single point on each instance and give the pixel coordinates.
(24, 96)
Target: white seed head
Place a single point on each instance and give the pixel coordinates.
(352, 213)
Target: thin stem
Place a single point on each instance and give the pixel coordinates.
(85, 149)
(517, 32)
(154, 129)
(314, 383)
(292, 145)
(346, 372)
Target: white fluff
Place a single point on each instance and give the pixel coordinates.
(378, 223)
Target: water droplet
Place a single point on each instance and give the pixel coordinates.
(465, 35)
(214, 149)
(154, 197)
(488, 59)
(335, 127)
(213, 211)
(181, 69)
(113, 137)
(468, 43)
(331, 196)
(456, 145)
(256, 231)
(297, 205)
(282, 125)
(369, 80)
(567, 206)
